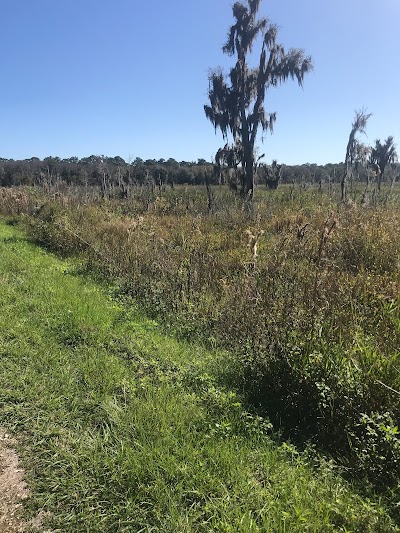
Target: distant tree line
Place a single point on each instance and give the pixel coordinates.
(117, 174)
(101, 171)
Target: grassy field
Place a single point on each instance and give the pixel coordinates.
(124, 429)
(301, 293)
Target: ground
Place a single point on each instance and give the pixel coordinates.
(13, 488)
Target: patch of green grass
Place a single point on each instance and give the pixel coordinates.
(123, 429)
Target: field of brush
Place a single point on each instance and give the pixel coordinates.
(301, 292)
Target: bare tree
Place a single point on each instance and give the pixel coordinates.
(358, 126)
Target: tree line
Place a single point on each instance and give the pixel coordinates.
(102, 171)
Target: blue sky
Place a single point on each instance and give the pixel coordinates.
(129, 78)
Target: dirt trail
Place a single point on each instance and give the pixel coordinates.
(13, 488)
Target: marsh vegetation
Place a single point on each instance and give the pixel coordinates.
(302, 291)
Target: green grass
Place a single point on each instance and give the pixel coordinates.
(123, 429)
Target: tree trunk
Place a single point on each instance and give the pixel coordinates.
(380, 177)
(210, 198)
(343, 186)
(249, 173)
(249, 183)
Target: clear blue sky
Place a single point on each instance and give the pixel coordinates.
(129, 78)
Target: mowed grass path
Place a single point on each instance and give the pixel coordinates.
(123, 429)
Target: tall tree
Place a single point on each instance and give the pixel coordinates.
(237, 101)
(382, 155)
(358, 126)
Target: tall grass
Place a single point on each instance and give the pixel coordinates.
(303, 291)
(123, 428)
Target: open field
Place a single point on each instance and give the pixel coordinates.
(302, 294)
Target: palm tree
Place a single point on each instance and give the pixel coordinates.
(237, 101)
(358, 126)
(382, 155)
